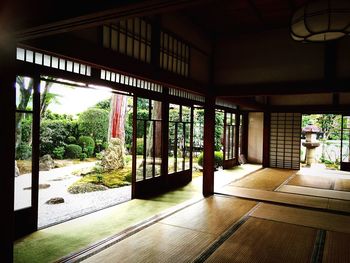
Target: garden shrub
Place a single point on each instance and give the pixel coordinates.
(218, 159)
(54, 133)
(58, 152)
(23, 151)
(88, 145)
(94, 122)
(73, 151)
(82, 156)
(71, 140)
(139, 146)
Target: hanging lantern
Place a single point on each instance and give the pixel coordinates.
(321, 20)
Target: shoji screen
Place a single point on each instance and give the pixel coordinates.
(285, 140)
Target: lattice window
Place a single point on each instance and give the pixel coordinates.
(47, 60)
(186, 95)
(130, 81)
(174, 54)
(131, 37)
(285, 130)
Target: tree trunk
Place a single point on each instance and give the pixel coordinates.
(25, 92)
(156, 115)
(117, 117)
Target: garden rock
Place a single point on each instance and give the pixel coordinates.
(16, 169)
(113, 156)
(46, 163)
(55, 200)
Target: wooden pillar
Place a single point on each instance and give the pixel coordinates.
(7, 149)
(266, 138)
(209, 141)
(237, 123)
(245, 130)
(165, 136)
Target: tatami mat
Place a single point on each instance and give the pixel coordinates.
(336, 248)
(285, 198)
(314, 192)
(267, 241)
(266, 179)
(157, 243)
(181, 237)
(312, 181)
(303, 217)
(342, 185)
(212, 215)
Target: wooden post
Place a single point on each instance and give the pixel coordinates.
(209, 140)
(237, 126)
(7, 142)
(245, 130)
(266, 138)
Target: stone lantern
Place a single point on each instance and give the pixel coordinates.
(311, 142)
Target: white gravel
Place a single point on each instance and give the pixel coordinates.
(74, 204)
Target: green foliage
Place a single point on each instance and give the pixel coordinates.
(139, 146)
(219, 131)
(98, 144)
(104, 105)
(200, 159)
(218, 159)
(87, 144)
(53, 133)
(143, 115)
(71, 140)
(82, 187)
(73, 151)
(82, 156)
(94, 122)
(26, 126)
(58, 152)
(23, 151)
(99, 156)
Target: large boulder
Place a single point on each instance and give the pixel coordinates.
(113, 156)
(16, 170)
(46, 163)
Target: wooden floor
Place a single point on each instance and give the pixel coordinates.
(246, 224)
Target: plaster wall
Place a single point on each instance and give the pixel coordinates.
(255, 137)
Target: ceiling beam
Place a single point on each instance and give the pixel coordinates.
(283, 88)
(98, 57)
(41, 25)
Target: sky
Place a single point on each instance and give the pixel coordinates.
(74, 100)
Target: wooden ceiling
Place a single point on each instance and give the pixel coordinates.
(225, 17)
(218, 17)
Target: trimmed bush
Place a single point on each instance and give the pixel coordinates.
(23, 151)
(58, 152)
(94, 122)
(82, 156)
(71, 140)
(218, 159)
(139, 146)
(88, 145)
(73, 151)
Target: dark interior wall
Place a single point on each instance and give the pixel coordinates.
(343, 58)
(302, 99)
(267, 57)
